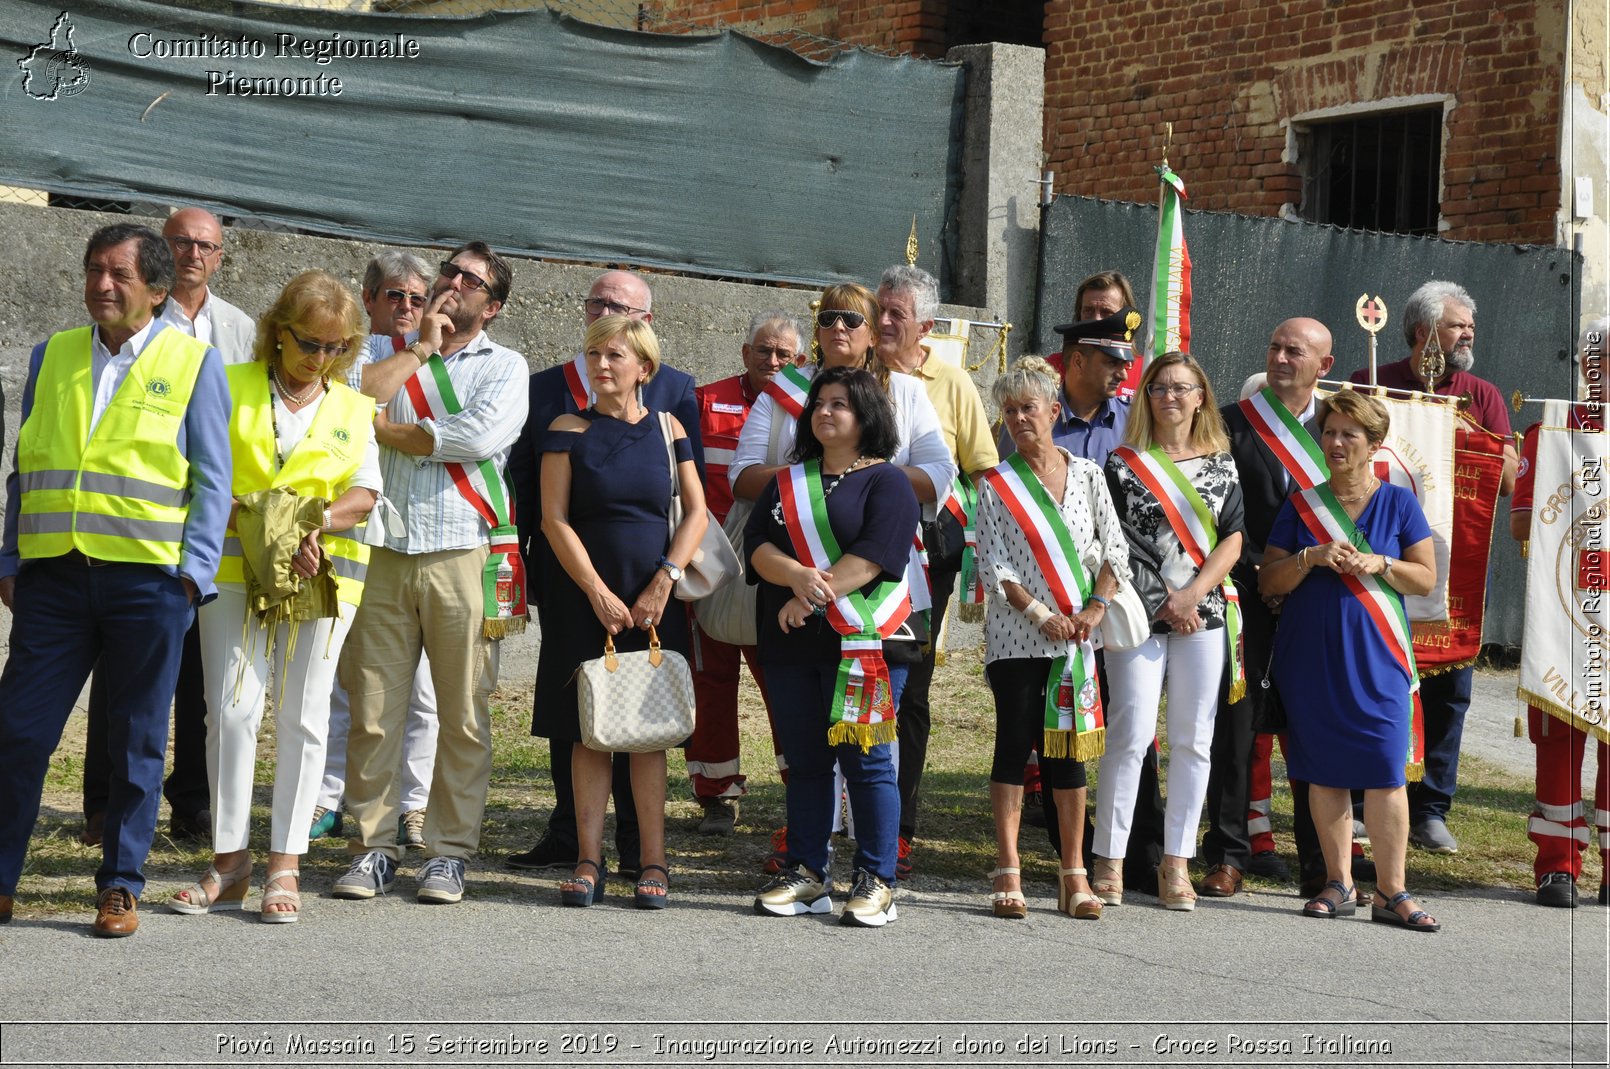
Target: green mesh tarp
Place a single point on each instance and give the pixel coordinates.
(536, 133)
(1250, 273)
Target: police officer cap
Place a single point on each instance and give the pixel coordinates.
(1114, 335)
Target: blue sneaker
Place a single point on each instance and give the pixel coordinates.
(371, 874)
(326, 823)
(441, 881)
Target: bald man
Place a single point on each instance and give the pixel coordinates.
(1299, 355)
(197, 240)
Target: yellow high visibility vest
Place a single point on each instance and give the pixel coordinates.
(121, 493)
(319, 466)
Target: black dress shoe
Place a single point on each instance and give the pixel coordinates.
(195, 828)
(1557, 889)
(549, 853)
(1268, 864)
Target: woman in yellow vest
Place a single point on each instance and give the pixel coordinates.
(296, 425)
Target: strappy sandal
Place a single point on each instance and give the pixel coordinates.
(1084, 907)
(1010, 905)
(274, 891)
(649, 899)
(1417, 921)
(1109, 881)
(1324, 909)
(231, 894)
(1174, 890)
(588, 892)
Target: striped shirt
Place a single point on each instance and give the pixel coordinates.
(490, 381)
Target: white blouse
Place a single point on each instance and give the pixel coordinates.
(1005, 557)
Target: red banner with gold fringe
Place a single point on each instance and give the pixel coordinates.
(1478, 469)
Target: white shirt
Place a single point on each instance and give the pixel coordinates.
(109, 369)
(490, 381)
(199, 328)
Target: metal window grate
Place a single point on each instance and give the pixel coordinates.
(1374, 172)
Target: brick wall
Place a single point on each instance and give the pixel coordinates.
(1228, 73)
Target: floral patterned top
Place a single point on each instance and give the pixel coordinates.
(1216, 480)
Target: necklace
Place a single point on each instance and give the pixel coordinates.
(1049, 472)
(827, 487)
(1369, 488)
(296, 399)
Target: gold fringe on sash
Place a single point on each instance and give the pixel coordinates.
(502, 627)
(1238, 690)
(1056, 743)
(865, 736)
(1414, 771)
(1090, 745)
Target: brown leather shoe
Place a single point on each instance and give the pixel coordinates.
(1222, 881)
(94, 829)
(116, 913)
(5, 909)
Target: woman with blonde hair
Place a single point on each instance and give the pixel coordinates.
(1176, 489)
(296, 428)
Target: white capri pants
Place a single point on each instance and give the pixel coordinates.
(235, 655)
(419, 744)
(1193, 665)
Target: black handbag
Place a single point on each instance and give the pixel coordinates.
(909, 642)
(1145, 569)
(1268, 710)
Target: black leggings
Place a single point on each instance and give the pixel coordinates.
(1019, 686)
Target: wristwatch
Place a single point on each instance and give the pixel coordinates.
(671, 570)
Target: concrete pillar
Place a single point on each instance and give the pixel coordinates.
(998, 219)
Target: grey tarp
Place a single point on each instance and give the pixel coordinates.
(537, 133)
(1250, 273)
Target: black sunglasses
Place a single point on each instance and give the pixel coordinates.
(313, 348)
(416, 300)
(827, 318)
(472, 281)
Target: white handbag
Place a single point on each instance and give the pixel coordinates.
(636, 702)
(728, 613)
(714, 564)
(1126, 623)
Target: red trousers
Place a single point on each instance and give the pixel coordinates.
(1259, 793)
(712, 753)
(1558, 824)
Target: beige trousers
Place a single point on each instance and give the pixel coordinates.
(413, 602)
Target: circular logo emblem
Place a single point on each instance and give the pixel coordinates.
(159, 386)
(340, 434)
(1087, 694)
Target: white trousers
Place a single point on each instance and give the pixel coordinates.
(419, 744)
(1193, 666)
(236, 655)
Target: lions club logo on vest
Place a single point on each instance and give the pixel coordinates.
(159, 386)
(340, 434)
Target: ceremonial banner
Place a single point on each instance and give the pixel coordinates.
(1418, 455)
(1567, 576)
(1478, 468)
(1170, 303)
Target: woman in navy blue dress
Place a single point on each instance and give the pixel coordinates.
(1343, 555)
(606, 495)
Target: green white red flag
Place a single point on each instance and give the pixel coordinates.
(1170, 304)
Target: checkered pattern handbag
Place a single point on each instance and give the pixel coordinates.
(635, 702)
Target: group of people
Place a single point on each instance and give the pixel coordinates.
(354, 499)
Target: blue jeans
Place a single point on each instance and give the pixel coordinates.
(67, 614)
(801, 696)
(1445, 698)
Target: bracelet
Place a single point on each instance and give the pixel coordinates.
(1099, 600)
(1302, 560)
(329, 524)
(1036, 613)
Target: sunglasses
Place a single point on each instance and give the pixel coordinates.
(472, 281)
(828, 318)
(415, 300)
(313, 348)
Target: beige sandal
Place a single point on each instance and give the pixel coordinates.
(274, 891)
(1009, 904)
(1109, 881)
(1174, 890)
(1085, 907)
(232, 888)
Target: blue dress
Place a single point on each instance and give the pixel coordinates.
(620, 494)
(1346, 697)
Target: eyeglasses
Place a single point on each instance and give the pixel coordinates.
(769, 352)
(1171, 389)
(415, 300)
(313, 348)
(206, 248)
(472, 281)
(828, 318)
(600, 306)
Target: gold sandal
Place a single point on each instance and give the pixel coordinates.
(1085, 907)
(1008, 904)
(274, 891)
(232, 887)
(1109, 881)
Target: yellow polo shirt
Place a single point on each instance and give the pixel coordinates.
(961, 414)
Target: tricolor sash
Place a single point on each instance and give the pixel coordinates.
(1192, 523)
(1286, 438)
(581, 391)
(503, 578)
(789, 388)
(962, 503)
(862, 710)
(1328, 522)
(1072, 698)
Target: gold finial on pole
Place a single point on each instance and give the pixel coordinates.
(1168, 139)
(911, 243)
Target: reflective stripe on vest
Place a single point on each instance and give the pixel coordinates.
(321, 463)
(121, 493)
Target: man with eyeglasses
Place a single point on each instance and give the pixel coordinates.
(554, 392)
(396, 286)
(197, 241)
(114, 527)
(431, 588)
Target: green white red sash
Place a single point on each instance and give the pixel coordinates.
(503, 597)
(863, 710)
(1192, 523)
(1072, 699)
(789, 388)
(1286, 438)
(962, 503)
(1328, 522)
